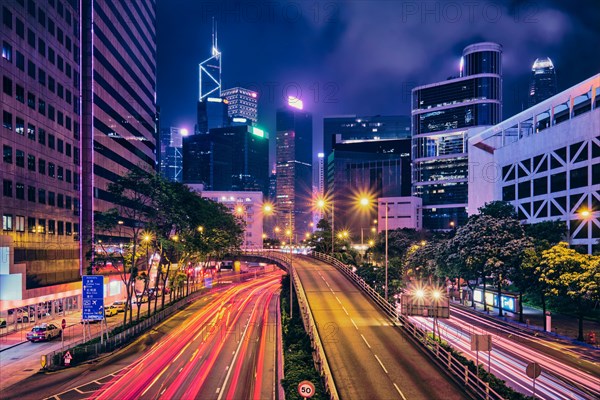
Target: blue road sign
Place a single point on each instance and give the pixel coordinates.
(208, 283)
(93, 297)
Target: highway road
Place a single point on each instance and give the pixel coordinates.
(513, 350)
(370, 357)
(227, 350)
(222, 346)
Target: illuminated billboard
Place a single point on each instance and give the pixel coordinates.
(509, 301)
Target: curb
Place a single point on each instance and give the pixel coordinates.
(11, 346)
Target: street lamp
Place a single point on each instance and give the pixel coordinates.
(386, 249)
(321, 204)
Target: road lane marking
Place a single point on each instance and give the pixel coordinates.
(380, 363)
(368, 345)
(218, 389)
(338, 300)
(344, 308)
(180, 369)
(154, 381)
(194, 355)
(399, 391)
(353, 323)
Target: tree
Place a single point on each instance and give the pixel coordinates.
(492, 243)
(180, 215)
(573, 277)
(543, 236)
(133, 196)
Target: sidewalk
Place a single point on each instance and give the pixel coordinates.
(19, 336)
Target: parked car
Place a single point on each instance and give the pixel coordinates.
(119, 305)
(110, 311)
(24, 318)
(43, 332)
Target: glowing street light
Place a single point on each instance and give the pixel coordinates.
(267, 208)
(321, 204)
(585, 214)
(201, 229)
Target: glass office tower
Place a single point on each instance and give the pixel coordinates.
(543, 81)
(442, 115)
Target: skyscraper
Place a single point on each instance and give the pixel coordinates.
(242, 105)
(442, 115)
(543, 81)
(40, 141)
(171, 157)
(294, 167)
(211, 107)
(234, 158)
(78, 109)
(118, 97)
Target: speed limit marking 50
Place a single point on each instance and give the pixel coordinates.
(306, 389)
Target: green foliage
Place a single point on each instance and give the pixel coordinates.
(298, 361)
(571, 279)
(498, 209)
(154, 214)
(547, 233)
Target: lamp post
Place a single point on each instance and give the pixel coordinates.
(267, 209)
(386, 251)
(241, 212)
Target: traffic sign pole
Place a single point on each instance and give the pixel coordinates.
(62, 333)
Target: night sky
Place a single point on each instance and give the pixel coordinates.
(362, 57)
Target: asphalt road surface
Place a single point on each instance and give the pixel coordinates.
(222, 346)
(370, 358)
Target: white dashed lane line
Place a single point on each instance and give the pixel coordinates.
(399, 391)
(380, 363)
(354, 323)
(344, 308)
(367, 343)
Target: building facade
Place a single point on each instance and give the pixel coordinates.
(118, 96)
(247, 206)
(402, 213)
(294, 168)
(546, 162)
(171, 154)
(543, 81)
(444, 114)
(233, 159)
(372, 168)
(348, 128)
(242, 105)
(40, 138)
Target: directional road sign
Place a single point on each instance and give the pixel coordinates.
(93, 297)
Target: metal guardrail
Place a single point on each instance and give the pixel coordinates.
(458, 371)
(319, 357)
(81, 352)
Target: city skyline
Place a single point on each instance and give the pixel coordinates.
(315, 47)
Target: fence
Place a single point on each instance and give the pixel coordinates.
(81, 351)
